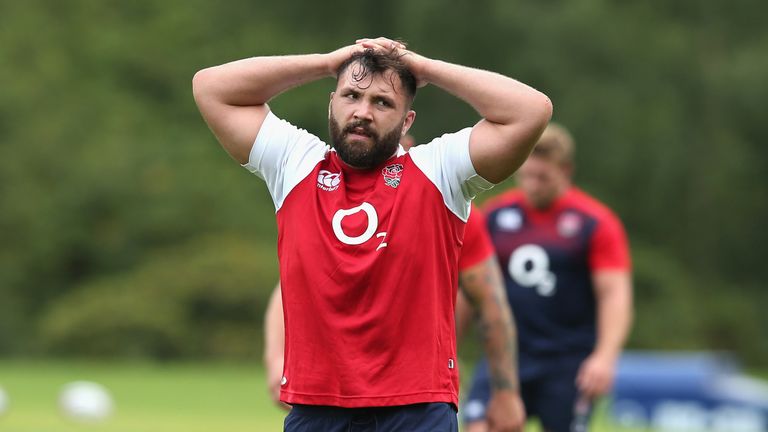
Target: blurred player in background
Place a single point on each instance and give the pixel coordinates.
(480, 281)
(566, 267)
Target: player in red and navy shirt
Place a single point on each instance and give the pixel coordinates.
(368, 235)
(566, 265)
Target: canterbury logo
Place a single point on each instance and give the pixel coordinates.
(328, 181)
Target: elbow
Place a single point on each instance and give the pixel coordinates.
(548, 108)
(532, 117)
(542, 111)
(201, 82)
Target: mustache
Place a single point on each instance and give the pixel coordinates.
(361, 124)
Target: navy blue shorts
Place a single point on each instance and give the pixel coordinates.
(426, 417)
(549, 395)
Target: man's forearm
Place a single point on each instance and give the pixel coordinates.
(484, 290)
(497, 98)
(614, 322)
(514, 114)
(614, 312)
(497, 331)
(274, 328)
(254, 81)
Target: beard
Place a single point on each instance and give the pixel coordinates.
(363, 155)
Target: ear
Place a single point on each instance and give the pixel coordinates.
(568, 169)
(410, 117)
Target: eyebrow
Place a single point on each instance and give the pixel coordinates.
(353, 89)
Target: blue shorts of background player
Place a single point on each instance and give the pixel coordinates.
(547, 387)
(426, 417)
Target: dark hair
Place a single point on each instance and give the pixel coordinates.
(376, 63)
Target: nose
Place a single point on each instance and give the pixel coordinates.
(363, 111)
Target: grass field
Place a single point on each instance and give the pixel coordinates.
(150, 397)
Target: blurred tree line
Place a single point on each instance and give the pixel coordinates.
(126, 230)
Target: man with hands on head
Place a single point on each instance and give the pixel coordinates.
(368, 234)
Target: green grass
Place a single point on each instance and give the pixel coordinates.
(148, 397)
(152, 397)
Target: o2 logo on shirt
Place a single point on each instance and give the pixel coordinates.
(529, 267)
(373, 225)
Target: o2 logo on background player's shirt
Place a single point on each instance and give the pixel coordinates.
(373, 225)
(529, 267)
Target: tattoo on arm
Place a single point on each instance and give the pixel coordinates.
(484, 288)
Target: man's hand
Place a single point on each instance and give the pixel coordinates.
(613, 294)
(414, 62)
(596, 375)
(274, 368)
(335, 58)
(381, 44)
(506, 412)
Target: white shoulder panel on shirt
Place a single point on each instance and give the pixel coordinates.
(283, 155)
(446, 163)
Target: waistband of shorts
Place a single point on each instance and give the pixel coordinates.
(325, 410)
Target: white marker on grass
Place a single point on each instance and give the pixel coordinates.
(85, 401)
(4, 401)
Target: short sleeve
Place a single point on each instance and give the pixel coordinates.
(283, 155)
(609, 248)
(477, 242)
(446, 162)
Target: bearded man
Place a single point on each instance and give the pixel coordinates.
(368, 234)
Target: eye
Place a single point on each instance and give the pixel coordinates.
(351, 95)
(383, 103)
